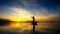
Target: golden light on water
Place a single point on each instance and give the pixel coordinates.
(22, 26)
(18, 24)
(15, 24)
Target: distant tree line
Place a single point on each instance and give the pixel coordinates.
(4, 22)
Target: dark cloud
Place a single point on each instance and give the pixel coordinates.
(31, 3)
(51, 5)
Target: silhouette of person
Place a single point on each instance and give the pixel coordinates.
(34, 23)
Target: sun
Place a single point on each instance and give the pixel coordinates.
(22, 18)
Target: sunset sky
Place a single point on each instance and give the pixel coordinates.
(22, 10)
(16, 16)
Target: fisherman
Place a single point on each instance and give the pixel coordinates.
(34, 23)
